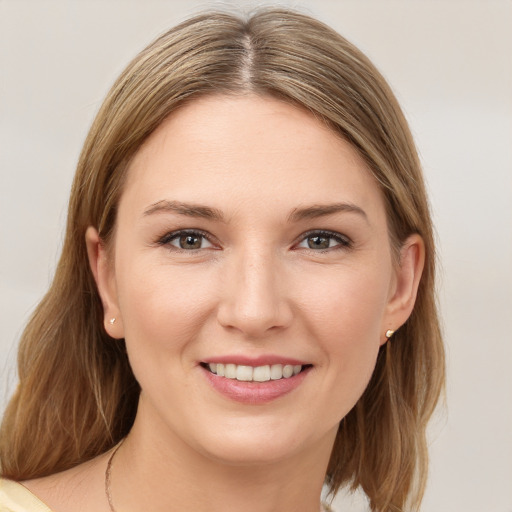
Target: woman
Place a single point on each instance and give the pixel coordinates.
(244, 307)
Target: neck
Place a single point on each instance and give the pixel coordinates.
(163, 473)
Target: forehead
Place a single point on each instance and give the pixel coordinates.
(247, 151)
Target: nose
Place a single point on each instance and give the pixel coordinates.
(254, 299)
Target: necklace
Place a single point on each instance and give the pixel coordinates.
(108, 493)
(108, 471)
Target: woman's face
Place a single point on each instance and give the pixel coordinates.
(253, 239)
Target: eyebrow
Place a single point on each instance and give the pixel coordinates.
(207, 212)
(188, 209)
(321, 210)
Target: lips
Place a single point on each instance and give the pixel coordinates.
(255, 381)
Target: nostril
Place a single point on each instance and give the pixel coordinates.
(254, 319)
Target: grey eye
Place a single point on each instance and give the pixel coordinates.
(189, 241)
(319, 242)
(324, 240)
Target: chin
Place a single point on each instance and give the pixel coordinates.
(234, 452)
(261, 442)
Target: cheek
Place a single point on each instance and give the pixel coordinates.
(163, 308)
(345, 317)
(348, 304)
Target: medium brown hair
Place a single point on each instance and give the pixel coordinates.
(77, 395)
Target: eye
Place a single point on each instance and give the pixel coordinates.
(324, 240)
(186, 240)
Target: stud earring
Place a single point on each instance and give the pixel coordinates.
(389, 333)
(112, 321)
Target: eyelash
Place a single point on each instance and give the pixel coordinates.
(174, 235)
(343, 242)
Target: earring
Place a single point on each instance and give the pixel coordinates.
(389, 333)
(112, 321)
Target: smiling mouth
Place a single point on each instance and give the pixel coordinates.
(246, 373)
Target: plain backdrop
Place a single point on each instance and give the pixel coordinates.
(450, 65)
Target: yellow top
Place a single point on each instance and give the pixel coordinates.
(15, 497)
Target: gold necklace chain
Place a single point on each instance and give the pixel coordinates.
(108, 471)
(108, 493)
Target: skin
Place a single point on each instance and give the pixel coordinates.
(256, 285)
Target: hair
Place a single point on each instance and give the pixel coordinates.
(77, 396)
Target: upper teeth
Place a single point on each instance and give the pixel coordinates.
(255, 373)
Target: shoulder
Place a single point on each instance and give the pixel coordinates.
(78, 489)
(15, 497)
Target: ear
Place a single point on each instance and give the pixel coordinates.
(104, 275)
(405, 287)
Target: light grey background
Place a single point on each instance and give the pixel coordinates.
(451, 67)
